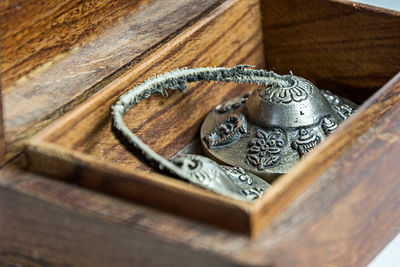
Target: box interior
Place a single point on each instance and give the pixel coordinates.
(170, 124)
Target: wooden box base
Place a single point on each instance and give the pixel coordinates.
(81, 148)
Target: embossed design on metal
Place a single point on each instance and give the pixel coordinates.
(204, 171)
(343, 107)
(208, 173)
(252, 186)
(297, 91)
(303, 114)
(328, 125)
(305, 142)
(254, 193)
(235, 103)
(265, 149)
(227, 132)
(332, 99)
(240, 174)
(344, 111)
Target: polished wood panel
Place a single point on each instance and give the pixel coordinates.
(69, 78)
(338, 45)
(35, 33)
(37, 233)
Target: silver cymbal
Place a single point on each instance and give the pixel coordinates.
(267, 131)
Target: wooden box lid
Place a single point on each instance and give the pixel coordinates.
(55, 55)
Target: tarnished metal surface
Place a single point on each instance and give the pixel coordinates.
(226, 180)
(267, 131)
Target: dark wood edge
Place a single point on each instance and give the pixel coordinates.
(2, 139)
(38, 232)
(150, 188)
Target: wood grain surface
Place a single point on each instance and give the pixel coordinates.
(343, 219)
(346, 215)
(82, 146)
(45, 94)
(2, 139)
(167, 124)
(36, 233)
(340, 45)
(33, 33)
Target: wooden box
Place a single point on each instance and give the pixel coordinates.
(350, 49)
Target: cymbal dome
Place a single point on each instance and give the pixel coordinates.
(296, 102)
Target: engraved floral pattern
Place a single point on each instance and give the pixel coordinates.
(298, 91)
(265, 149)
